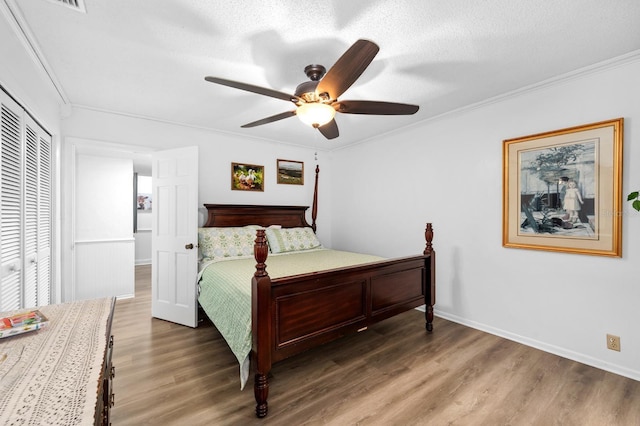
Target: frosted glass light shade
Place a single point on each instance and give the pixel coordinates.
(315, 114)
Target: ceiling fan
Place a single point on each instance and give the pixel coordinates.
(317, 100)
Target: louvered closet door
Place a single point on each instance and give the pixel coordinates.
(37, 215)
(10, 202)
(26, 209)
(45, 218)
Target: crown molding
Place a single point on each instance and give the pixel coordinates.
(618, 61)
(18, 24)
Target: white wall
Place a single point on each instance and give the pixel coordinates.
(144, 222)
(216, 151)
(103, 201)
(448, 171)
(102, 233)
(143, 237)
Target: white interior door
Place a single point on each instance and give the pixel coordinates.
(175, 236)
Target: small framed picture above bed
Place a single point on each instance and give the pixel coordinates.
(290, 172)
(247, 177)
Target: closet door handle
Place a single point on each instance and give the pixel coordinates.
(189, 246)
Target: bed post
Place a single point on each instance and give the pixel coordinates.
(261, 314)
(314, 209)
(430, 293)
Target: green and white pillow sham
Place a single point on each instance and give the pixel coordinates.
(291, 239)
(219, 242)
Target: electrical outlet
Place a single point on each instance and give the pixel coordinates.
(613, 342)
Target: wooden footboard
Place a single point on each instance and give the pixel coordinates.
(293, 314)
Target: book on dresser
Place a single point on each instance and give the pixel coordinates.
(22, 322)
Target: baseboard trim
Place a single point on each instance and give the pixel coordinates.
(556, 350)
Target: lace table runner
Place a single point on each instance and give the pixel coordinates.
(51, 376)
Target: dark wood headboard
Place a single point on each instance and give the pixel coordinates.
(250, 214)
(242, 215)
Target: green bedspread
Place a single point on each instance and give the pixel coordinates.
(225, 290)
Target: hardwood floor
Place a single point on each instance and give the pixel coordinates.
(392, 374)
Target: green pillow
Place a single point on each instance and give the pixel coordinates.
(291, 239)
(216, 242)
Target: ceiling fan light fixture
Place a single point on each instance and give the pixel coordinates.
(315, 114)
(317, 100)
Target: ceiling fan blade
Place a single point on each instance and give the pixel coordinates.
(255, 89)
(330, 130)
(348, 68)
(375, 107)
(271, 119)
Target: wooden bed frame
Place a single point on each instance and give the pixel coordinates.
(293, 314)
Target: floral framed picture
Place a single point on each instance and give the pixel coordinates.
(291, 172)
(247, 177)
(143, 193)
(562, 190)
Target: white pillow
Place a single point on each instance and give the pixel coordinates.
(291, 239)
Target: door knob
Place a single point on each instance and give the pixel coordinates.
(189, 246)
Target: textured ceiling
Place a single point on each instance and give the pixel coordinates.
(149, 58)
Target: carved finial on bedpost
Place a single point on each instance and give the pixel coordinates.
(260, 251)
(314, 209)
(428, 236)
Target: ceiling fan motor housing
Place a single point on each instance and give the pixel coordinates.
(315, 72)
(307, 91)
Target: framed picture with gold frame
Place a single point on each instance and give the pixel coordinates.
(247, 177)
(562, 190)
